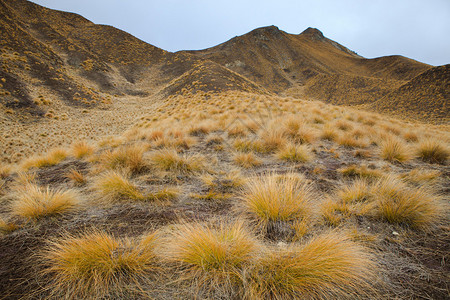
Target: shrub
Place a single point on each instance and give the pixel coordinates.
(34, 202)
(97, 265)
(433, 151)
(327, 266)
(213, 257)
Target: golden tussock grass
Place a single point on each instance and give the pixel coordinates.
(296, 130)
(5, 170)
(393, 149)
(76, 177)
(398, 203)
(329, 133)
(343, 125)
(246, 160)
(82, 149)
(327, 266)
(421, 176)
(411, 136)
(349, 140)
(169, 160)
(433, 151)
(96, 265)
(270, 141)
(295, 153)
(6, 227)
(116, 186)
(51, 158)
(358, 191)
(130, 158)
(213, 257)
(360, 171)
(273, 198)
(34, 202)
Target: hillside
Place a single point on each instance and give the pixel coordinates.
(426, 97)
(311, 64)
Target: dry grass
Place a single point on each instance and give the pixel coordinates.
(6, 227)
(421, 176)
(271, 198)
(433, 151)
(170, 160)
(213, 258)
(329, 133)
(5, 170)
(394, 150)
(360, 171)
(358, 191)
(82, 149)
(96, 265)
(246, 160)
(398, 203)
(271, 140)
(116, 186)
(295, 153)
(327, 266)
(34, 202)
(77, 177)
(130, 158)
(52, 158)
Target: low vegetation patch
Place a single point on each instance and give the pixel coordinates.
(35, 202)
(433, 151)
(213, 257)
(98, 265)
(327, 266)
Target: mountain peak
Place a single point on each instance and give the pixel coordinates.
(314, 33)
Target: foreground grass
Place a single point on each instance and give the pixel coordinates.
(96, 264)
(328, 266)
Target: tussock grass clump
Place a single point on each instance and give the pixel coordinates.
(398, 203)
(327, 266)
(34, 202)
(271, 140)
(170, 160)
(295, 153)
(52, 158)
(6, 227)
(329, 133)
(433, 151)
(115, 186)
(97, 265)
(351, 141)
(130, 158)
(213, 258)
(394, 150)
(5, 170)
(420, 176)
(272, 199)
(358, 191)
(246, 160)
(77, 177)
(82, 149)
(297, 131)
(360, 171)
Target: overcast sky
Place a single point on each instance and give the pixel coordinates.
(419, 29)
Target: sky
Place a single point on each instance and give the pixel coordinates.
(418, 29)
